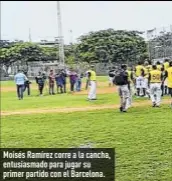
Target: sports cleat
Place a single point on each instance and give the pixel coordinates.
(154, 105)
(121, 109)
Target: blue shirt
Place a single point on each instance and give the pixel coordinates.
(20, 79)
(59, 80)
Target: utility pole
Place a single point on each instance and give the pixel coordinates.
(60, 35)
(71, 37)
(72, 45)
(30, 38)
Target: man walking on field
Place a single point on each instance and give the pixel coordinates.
(92, 81)
(168, 75)
(122, 81)
(155, 80)
(139, 78)
(20, 79)
(40, 80)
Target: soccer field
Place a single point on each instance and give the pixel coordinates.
(141, 137)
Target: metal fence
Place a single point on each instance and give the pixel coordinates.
(160, 43)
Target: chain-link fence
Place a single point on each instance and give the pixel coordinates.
(160, 43)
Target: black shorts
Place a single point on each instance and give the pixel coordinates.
(170, 91)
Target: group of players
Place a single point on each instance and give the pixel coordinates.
(144, 80)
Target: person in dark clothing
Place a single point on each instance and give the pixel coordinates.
(73, 78)
(40, 80)
(27, 85)
(64, 75)
(122, 81)
(143, 74)
(162, 84)
(59, 82)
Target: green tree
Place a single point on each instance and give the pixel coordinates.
(20, 53)
(112, 46)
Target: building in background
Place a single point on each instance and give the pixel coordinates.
(46, 43)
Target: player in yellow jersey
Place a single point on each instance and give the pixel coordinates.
(145, 74)
(165, 67)
(168, 75)
(149, 67)
(139, 78)
(166, 64)
(138, 69)
(155, 79)
(92, 81)
(159, 66)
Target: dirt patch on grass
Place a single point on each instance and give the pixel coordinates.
(100, 90)
(13, 89)
(75, 109)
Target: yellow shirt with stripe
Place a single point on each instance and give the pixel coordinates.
(166, 65)
(155, 76)
(169, 78)
(93, 75)
(138, 70)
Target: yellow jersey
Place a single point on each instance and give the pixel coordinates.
(149, 67)
(169, 78)
(145, 72)
(166, 65)
(159, 67)
(138, 70)
(93, 75)
(155, 76)
(129, 75)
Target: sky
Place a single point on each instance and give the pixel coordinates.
(81, 17)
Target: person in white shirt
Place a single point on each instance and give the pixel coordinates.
(20, 79)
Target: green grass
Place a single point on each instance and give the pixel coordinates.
(12, 83)
(142, 137)
(9, 101)
(12, 103)
(7, 83)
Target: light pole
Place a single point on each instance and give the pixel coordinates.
(30, 37)
(60, 35)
